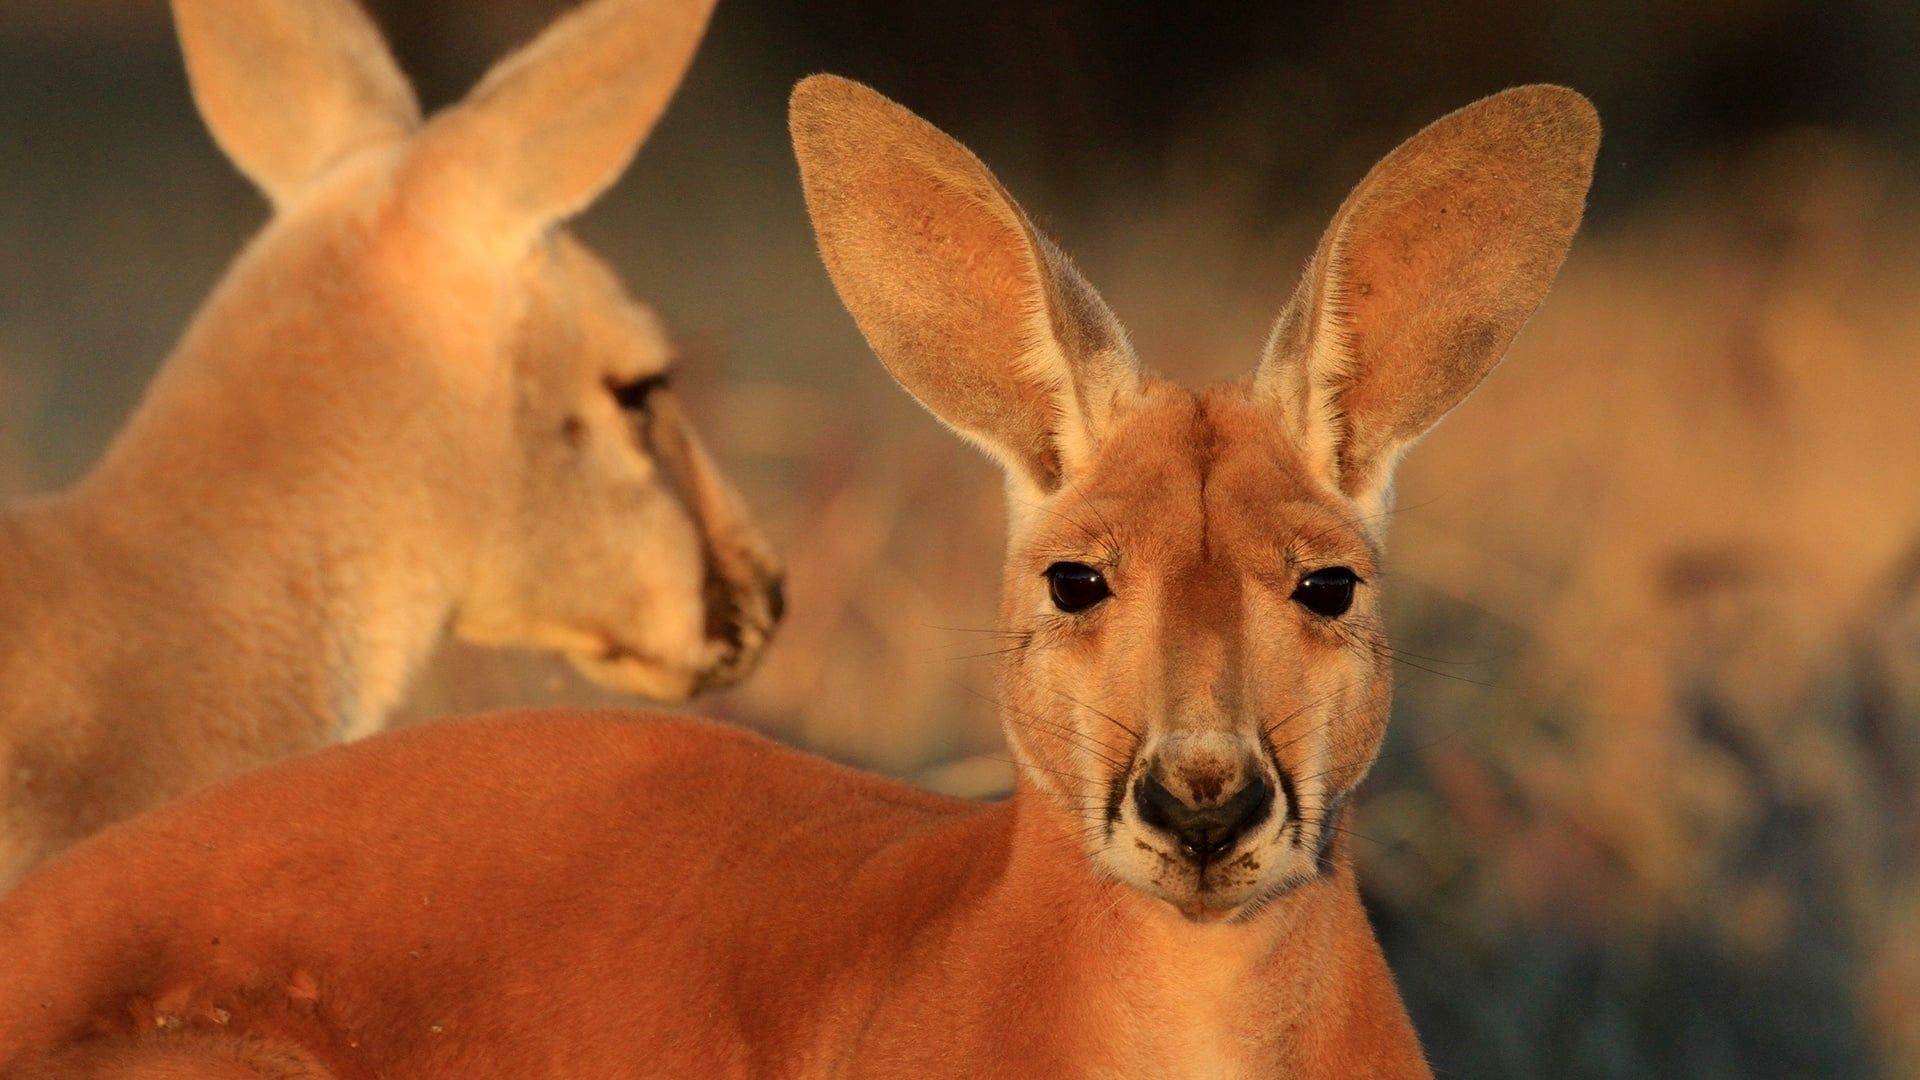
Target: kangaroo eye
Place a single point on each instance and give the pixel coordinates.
(1076, 586)
(632, 396)
(1328, 592)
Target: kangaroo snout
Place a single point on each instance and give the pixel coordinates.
(1213, 814)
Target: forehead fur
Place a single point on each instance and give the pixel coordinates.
(572, 294)
(1203, 476)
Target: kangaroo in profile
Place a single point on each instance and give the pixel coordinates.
(415, 404)
(1196, 685)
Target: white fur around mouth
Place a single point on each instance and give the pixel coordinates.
(1258, 883)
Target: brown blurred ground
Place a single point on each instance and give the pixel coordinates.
(1650, 803)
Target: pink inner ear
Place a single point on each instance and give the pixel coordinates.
(1439, 257)
(1424, 301)
(972, 310)
(966, 286)
(935, 263)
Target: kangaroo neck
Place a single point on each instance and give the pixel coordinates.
(261, 536)
(1136, 981)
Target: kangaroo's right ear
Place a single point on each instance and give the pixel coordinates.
(289, 87)
(556, 123)
(972, 310)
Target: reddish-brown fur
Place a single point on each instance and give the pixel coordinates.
(499, 897)
(582, 895)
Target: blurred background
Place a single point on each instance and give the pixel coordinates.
(1651, 802)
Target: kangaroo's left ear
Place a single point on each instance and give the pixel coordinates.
(289, 87)
(1427, 272)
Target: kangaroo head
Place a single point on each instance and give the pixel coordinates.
(1198, 678)
(417, 323)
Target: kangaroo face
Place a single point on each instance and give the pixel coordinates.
(1195, 672)
(1198, 670)
(618, 541)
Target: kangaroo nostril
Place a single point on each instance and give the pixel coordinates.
(1203, 833)
(1248, 807)
(1158, 807)
(777, 598)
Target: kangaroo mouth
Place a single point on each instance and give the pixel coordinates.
(735, 663)
(620, 666)
(1280, 857)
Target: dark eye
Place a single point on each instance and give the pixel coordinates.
(1327, 592)
(632, 396)
(1076, 586)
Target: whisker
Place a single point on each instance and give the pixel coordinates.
(1088, 750)
(1076, 701)
(1301, 711)
(1108, 536)
(1379, 649)
(1391, 511)
(1384, 845)
(989, 652)
(1044, 769)
(1405, 751)
(1090, 534)
(1064, 728)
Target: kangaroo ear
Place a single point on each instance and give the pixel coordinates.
(554, 125)
(1426, 274)
(972, 310)
(289, 87)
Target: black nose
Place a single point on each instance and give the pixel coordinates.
(1203, 833)
(777, 598)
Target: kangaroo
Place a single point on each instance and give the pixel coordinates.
(1195, 686)
(414, 405)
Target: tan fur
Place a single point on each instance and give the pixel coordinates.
(580, 895)
(392, 417)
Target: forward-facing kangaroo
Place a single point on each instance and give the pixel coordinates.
(414, 405)
(1196, 685)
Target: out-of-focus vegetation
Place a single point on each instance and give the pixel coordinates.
(1651, 802)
